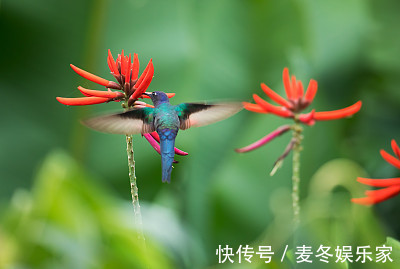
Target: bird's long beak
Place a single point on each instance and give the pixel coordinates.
(147, 93)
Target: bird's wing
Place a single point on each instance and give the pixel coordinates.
(198, 114)
(131, 122)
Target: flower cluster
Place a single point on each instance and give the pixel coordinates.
(297, 100)
(390, 187)
(130, 87)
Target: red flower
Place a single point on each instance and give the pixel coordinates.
(297, 100)
(391, 186)
(126, 72)
(269, 137)
(130, 86)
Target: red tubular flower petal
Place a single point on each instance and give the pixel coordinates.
(105, 94)
(311, 91)
(379, 182)
(254, 108)
(129, 69)
(126, 65)
(81, 101)
(123, 63)
(280, 111)
(141, 78)
(269, 137)
(110, 64)
(180, 152)
(383, 194)
(275, 97)
(377, 196)
(294, 88)
(390, 159)
(286, 83)
(300, 89)
(114, 68)
(338, 114)
(139, 104)
(308, 118)
(363, 201)
(152, 142)
(85, 93)
(90, 76)
(169, 94)
(395, 148)
(118, 62)
(155, 136)
(135, 67)
(145, 82)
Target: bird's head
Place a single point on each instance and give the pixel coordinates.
(158, 97)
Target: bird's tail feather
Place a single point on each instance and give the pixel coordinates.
(167, 144)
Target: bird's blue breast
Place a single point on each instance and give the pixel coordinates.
(166, 117)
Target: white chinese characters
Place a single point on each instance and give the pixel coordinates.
(306, 254)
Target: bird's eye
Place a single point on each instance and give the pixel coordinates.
(154, 93)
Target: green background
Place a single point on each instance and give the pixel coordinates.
(64, 189)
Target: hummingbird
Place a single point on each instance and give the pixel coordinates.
(166, 120)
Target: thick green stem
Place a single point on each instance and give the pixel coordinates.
(134, 188)
(297, 137)
(133, 184)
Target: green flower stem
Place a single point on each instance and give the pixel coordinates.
(134, 188)
(133, 184)
(297, 137)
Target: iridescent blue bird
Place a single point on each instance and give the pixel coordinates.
(166, 120)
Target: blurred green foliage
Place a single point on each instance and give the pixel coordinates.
(64, 196)
(67, 221)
